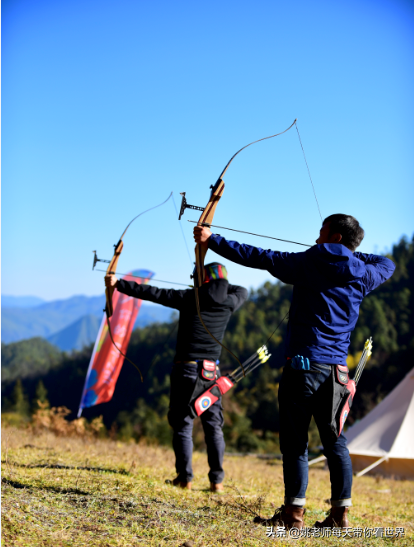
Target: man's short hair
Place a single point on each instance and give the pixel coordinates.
(349, 228)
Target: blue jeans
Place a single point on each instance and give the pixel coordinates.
(303, 394)
(183, 379)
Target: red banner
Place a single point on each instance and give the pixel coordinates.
(106, 361)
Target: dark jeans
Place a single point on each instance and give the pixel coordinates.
(183, 378)
(301, 395)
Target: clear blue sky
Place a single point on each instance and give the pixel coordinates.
(109, 106)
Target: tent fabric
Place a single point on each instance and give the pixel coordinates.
(388, 428)
(387, 431)
(394, 467)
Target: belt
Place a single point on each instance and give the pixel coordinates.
(185, 362)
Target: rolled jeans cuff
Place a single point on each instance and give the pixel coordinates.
(300, 502)
(342, 503)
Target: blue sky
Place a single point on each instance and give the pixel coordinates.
(107, 107)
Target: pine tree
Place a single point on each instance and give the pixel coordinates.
(40, 397)
(20, 402)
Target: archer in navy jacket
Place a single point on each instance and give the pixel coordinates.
(329, 282)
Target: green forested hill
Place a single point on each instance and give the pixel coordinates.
(139, 410)
(28, 359)
(387, 312)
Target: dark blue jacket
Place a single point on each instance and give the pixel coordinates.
(329, 283)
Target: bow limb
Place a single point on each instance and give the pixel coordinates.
(254, 142)
(109, 291)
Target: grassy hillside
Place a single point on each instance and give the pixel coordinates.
(67, 491)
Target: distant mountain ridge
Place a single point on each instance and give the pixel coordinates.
(79, 334)
(20, 301)
(69, 324)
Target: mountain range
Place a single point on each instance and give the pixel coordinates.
(69, 324)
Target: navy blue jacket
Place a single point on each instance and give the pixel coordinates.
(329, 282)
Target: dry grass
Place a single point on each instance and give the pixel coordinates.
(71, 491)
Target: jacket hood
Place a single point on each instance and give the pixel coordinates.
(336, 263)
(216, 290)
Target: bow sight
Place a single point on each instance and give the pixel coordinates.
(213, 200)
(96, 260)
(185, 205)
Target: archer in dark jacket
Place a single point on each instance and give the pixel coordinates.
(329, 282)
(218, 300)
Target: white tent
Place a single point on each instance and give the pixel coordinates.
(383, 441)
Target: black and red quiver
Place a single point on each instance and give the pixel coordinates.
(344, 389)
(211, 395)
(208, 388)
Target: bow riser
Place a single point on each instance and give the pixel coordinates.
(206, 218)
(109, 291)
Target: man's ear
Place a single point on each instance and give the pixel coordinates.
(336, 238)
